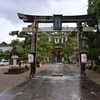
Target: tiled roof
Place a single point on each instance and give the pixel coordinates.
(6, 48)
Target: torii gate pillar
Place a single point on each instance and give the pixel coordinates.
(80, 49)
(33, 49)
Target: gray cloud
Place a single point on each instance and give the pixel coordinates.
(9, 8)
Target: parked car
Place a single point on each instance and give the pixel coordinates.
(4, 63)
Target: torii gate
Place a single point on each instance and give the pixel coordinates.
(57, 20)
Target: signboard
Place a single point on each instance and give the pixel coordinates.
(83, 58)
(30, 58)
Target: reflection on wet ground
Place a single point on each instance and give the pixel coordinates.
(58, 82)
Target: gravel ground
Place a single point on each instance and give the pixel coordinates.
(8, 81)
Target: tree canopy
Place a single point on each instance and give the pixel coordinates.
(92, 39)
(45, 48)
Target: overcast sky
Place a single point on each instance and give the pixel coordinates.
(9, 20)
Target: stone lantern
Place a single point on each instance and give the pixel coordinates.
(14, 61)
(14, 58)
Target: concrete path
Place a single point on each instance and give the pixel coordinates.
(57, 82)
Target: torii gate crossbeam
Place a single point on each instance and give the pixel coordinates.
(49, 19)
(50, 29)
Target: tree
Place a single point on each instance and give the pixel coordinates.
(23, 45)
(94, 7)
(3, 44)
(92, 40)
(43, 46)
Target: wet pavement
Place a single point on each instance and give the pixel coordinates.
(57, 82)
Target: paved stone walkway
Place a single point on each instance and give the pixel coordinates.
(58, 82)
(95, 77)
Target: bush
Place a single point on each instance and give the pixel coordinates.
(26, 67)
(16, 70)
(43, 62)
(96, 69)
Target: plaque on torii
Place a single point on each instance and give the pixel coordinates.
(57, 21)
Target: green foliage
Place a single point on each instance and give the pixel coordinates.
(15, 42)
(5, 55)
(13, 33)
(45, 48)
(1, 55)
(4, 44)
(24, 45)
(94, 7)
(92, 40)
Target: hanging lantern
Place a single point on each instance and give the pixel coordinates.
(49, 39)
(62, 40)
(66, 38)
(55, 40)
(83, 58)
(58, 40)
(30, 58)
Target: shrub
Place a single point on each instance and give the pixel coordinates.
(15, 70)
(26, 67)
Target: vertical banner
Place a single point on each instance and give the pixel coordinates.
(57, 40)
(49, 39)
(62, 40)
(83, 58)
(30, 58)
(66, 38)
